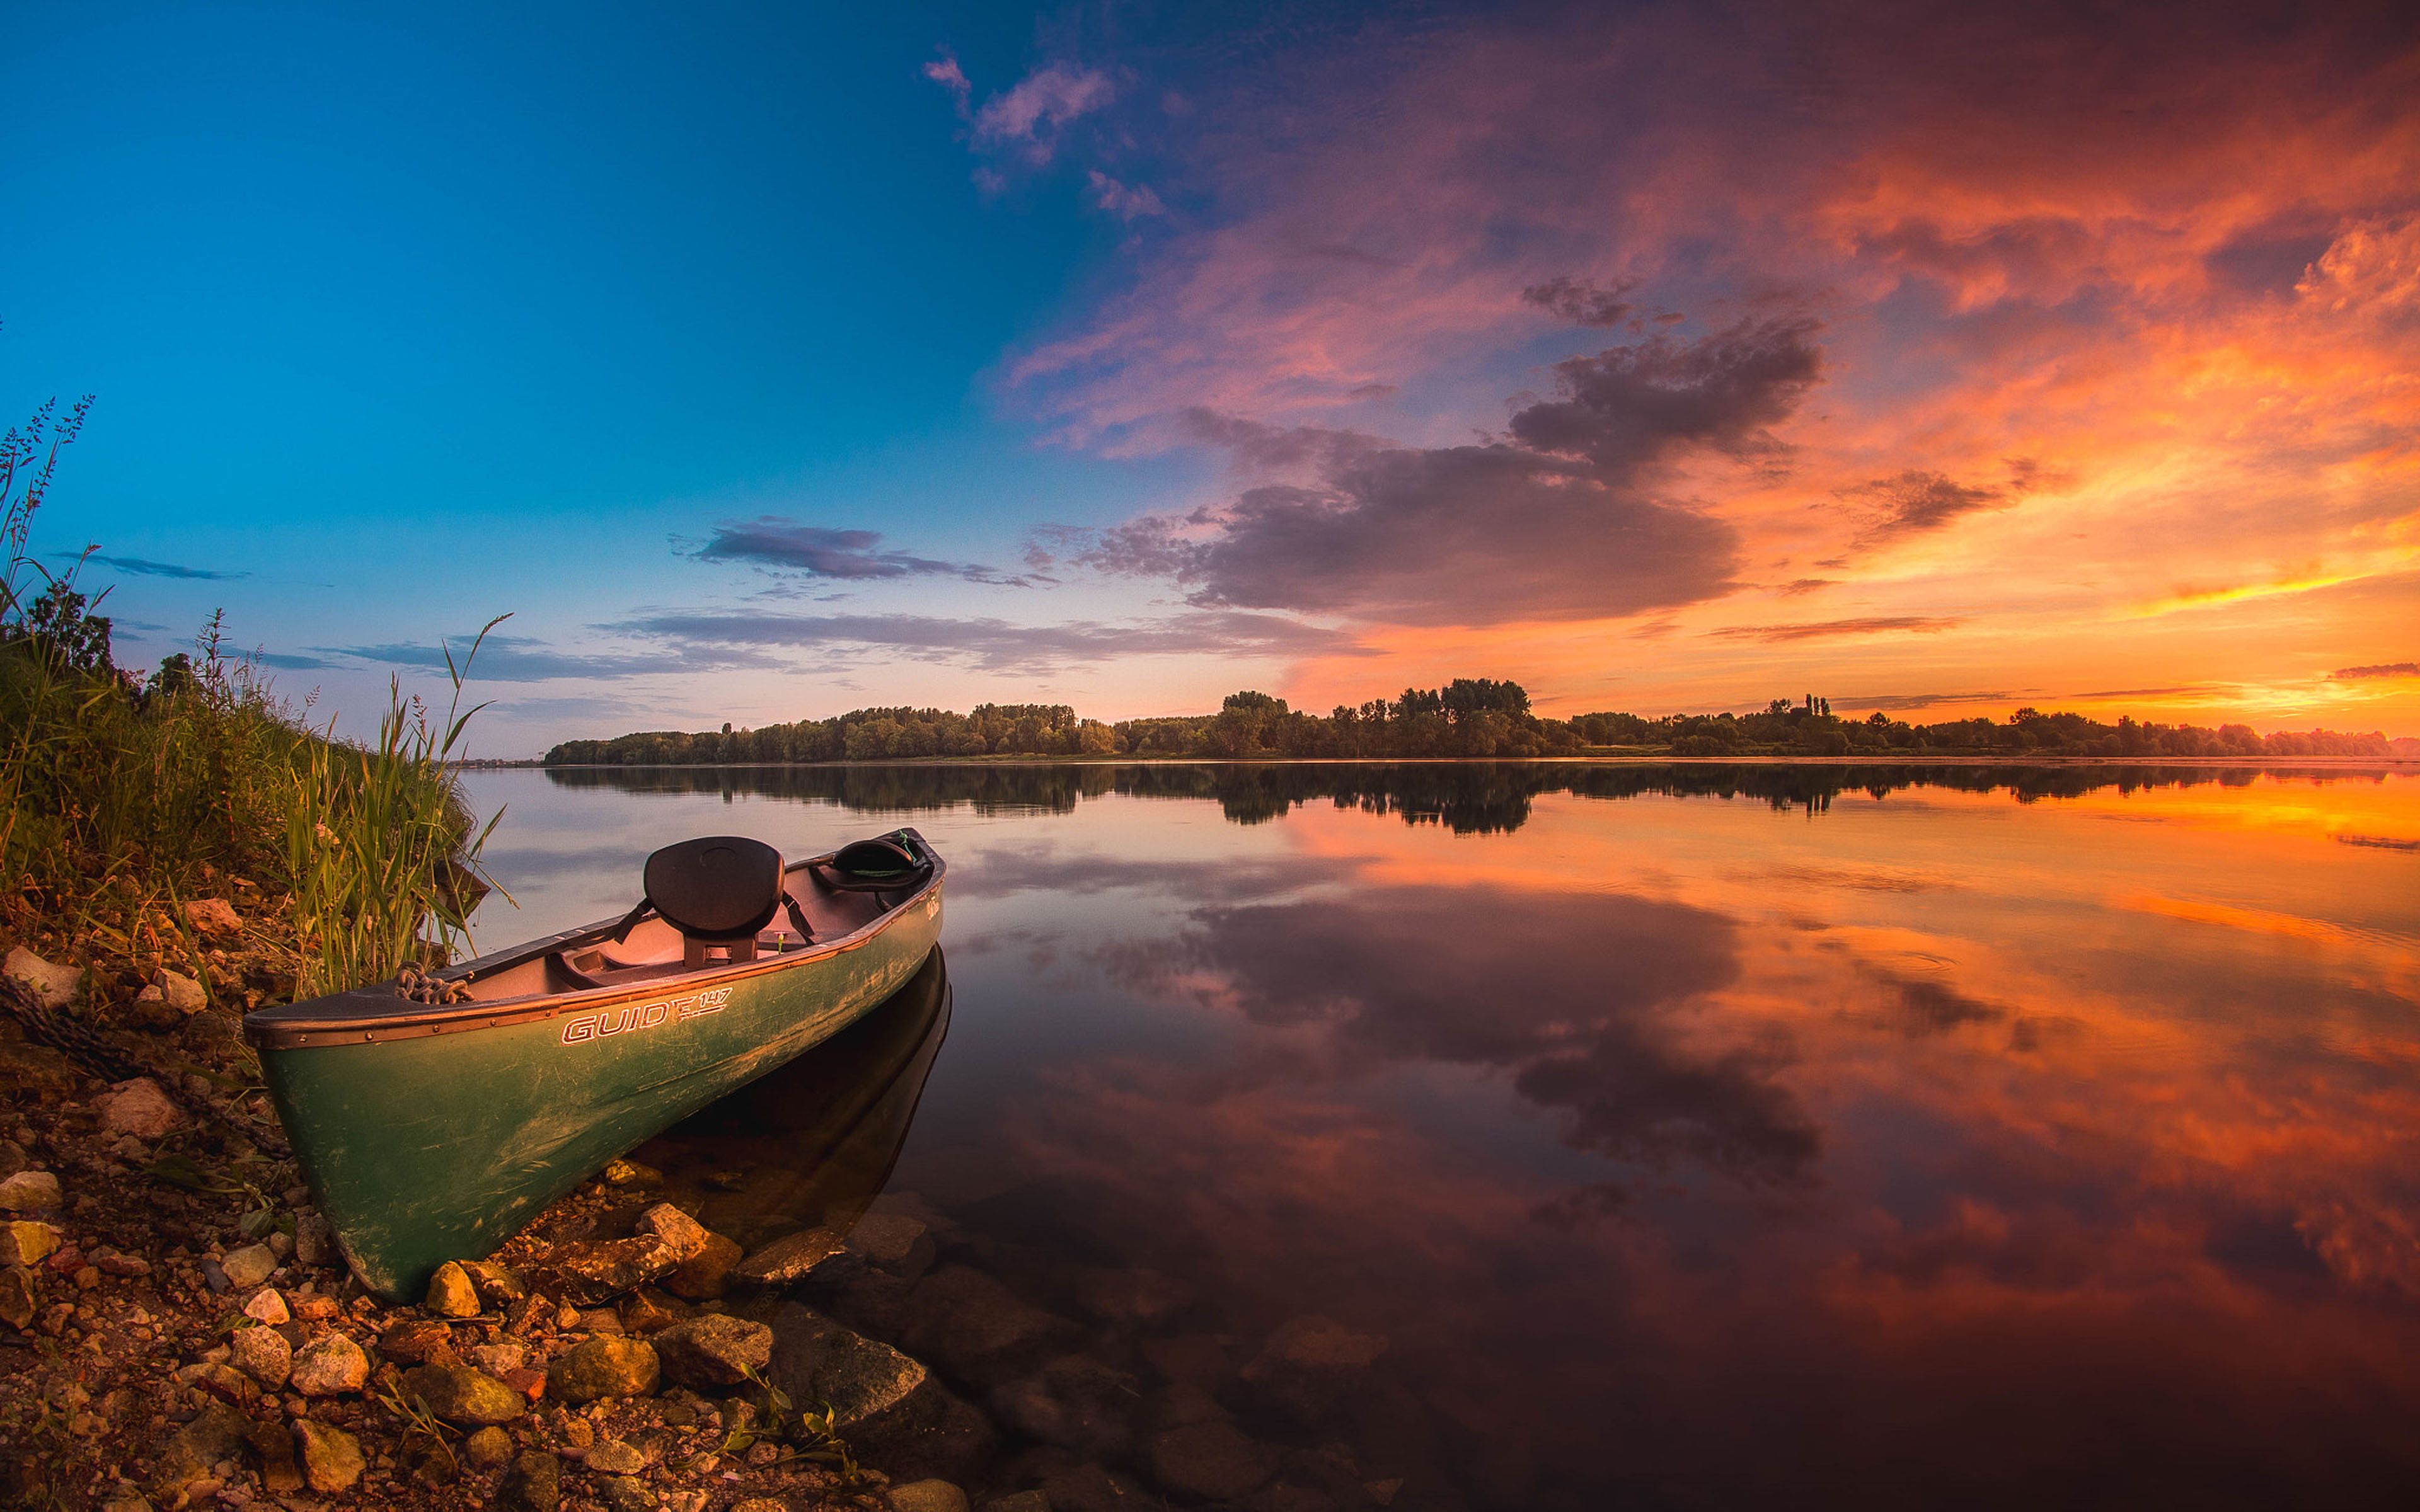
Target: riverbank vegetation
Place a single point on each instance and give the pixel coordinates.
(1468, 716)
(125, 797)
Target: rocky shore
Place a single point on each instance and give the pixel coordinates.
(178, 1330)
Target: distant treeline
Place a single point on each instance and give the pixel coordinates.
(1468, 717)
(1468, 798)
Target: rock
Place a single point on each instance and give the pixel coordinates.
(267, 1307)
(1190, 1358)
(34, 1070)
(329, 1366)
(601, 1367)
(12, 1158)
(263, 1354)
(315, 1242)
(272, 1451)
(1310, 1366)
(20, 1298)
(1021, 1501)
(646, 1310)
(212, 916)
(788, 1259)
(331, 1457)
(417, 1341)
(139, 1108)
(217, 1434)
(816, 1360)
(499, 1360)
(766, 1503)
(611, 1457)
(588, 1272)
(533, 1482)
(931, 1433)
(1181, 1404)
(682, 1234)
(25, 1243)
(631, 1173)
(223, 1381)
(706, 1274)
(929, 1496)
(450, 1293)
(499, 1286)
(30, 1192)
(458, 1394)
(1076, 1402)
(978, 1330)
(1091, 1488)
(1214, 1462)
(1135, 1298)
(52, 986)
(885, 1238)
(597, 1320)
(182, 993)
(714, 1350)
(627, 1493)
(249, 1267)
(486, 1449)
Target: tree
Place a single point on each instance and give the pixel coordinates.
(65, 631)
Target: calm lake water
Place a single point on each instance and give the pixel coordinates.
(1692, 1136)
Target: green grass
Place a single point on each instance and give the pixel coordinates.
(123, 797)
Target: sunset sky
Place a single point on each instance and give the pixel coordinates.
(767, 362)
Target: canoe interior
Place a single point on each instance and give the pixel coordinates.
(565, 971)
(655, 950)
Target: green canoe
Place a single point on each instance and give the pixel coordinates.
(430, 1131)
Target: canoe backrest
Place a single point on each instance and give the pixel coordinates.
(716, 888)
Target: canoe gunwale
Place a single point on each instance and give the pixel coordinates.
(368, 1015)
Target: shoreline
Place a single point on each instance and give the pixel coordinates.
(2382, 764)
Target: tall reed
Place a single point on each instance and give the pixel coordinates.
(379, 845)
(122, 797)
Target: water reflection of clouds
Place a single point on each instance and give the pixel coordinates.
(1734, 1150)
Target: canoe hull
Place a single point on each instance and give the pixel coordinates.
(422, 1149)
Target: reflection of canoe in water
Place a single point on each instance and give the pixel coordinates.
(432, 1132)
(815, 1142)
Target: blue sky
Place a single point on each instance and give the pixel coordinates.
(398, 324)
(765, 363)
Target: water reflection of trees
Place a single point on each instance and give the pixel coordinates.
(1466, 797)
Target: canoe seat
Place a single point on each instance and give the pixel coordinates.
(719, 891)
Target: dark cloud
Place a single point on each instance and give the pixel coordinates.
(2383, 668)
(146, 567)
(1893, 703)
(1919, 1007)
(504, 659)
(1580, 302)
(287, 661)
(997, 645)
(1821, 630)
(1915, 502)
(1561, 522)
(1045, 868)
(1576, 994)
(1798, 586)
(777, 541)
(2149, 692)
